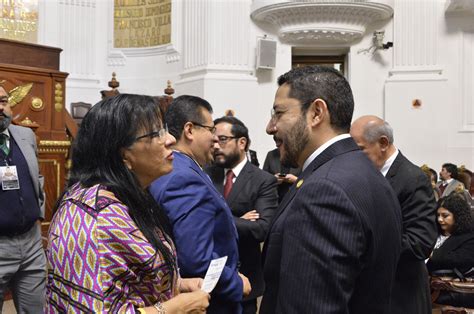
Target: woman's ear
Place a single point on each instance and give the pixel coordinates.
(126, 156)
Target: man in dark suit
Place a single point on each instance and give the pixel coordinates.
(411, 292)
(334, 243)
(22, 258)
(203, 226)
(252, 196)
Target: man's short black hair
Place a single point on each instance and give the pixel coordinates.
(452, 169)
(313, 82)
(185, 109)
(238, 128)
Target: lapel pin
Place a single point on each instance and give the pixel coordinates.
(299, 184)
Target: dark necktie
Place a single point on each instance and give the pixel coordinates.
(442, 187)
(3, 143)
(228, 183)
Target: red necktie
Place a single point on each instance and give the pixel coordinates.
(228, 183)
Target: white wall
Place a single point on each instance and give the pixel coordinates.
(212, 55)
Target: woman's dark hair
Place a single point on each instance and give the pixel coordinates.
(109, 127)
(458, 206)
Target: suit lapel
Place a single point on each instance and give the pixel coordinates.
(333, 150)
(239, 183)
(392, 172)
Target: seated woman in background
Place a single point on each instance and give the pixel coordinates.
(455, 246)
(109, 248)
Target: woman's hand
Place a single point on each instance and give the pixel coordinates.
(190, 284)
(189, 302)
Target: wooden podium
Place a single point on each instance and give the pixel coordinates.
(30, 74)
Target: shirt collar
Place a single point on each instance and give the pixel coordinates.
(237, 169)
(321, 148)
(6, 132)
(448, 181)
(388, 163)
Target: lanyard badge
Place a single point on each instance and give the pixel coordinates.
(9, 178)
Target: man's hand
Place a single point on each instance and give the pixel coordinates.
(246, 285)
(252, 215)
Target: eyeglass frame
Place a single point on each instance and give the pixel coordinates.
(273, 113)
(161, 134)
(226, 139)
(211, 129)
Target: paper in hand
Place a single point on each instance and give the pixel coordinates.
(213, 274)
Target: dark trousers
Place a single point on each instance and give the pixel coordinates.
(249, 307)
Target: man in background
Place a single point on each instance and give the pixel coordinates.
(203, 226)
(22, 259)
(449, 182)
(411, 291)
(250, 193)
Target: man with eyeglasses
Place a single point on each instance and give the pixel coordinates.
(335, 240)
(22, 258)
(251, 193)
(203, 226)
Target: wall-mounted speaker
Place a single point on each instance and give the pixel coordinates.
(266, 53)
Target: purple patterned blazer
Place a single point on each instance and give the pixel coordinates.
(98, 259)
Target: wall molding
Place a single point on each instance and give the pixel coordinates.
(320, 22)
(466, 73)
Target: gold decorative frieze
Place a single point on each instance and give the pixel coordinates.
(54, 147)
(55, 143)
(37, 104)
(58, 97)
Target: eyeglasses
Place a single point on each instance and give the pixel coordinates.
(211, 129)
(161, 134)
(223, 139)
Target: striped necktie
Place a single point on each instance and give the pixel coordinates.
(3, 143)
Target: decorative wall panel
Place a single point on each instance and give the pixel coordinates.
(466, 70)
(77, 22)
(416, 35)
(216, 36)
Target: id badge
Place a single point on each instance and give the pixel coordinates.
(9, 178)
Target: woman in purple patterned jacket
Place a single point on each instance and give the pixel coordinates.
(105, 251)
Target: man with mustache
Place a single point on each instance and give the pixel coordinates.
(252, 196)
(203, 226)
(22, 259)
(335, 240)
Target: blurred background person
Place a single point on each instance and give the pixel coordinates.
(455, 246)
(433, 176)
(285, 176)
(109, 245)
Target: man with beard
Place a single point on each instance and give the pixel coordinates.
(203, 226)
(411, 292)
(22, 259)
(335, 240)
(250, 193)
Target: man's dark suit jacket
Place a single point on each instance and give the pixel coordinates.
(334, 244)
(411, 292)
(252, 189)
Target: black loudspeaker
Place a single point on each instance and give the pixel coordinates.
(266, 53)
